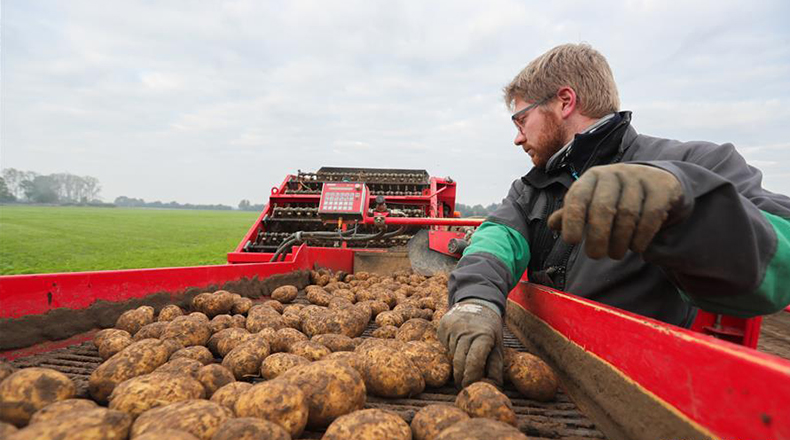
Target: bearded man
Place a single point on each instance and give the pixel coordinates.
(654, 226)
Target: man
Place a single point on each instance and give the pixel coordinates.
(654, 226)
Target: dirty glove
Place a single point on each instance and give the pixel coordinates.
(472, 332)
(618, 207)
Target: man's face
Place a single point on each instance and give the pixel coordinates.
(540, 132)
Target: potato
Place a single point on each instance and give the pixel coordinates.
(368, 424)
(187, 330)
(366, 344)
(94, 424)
(213, 377)
(274, 304)
(269, 334)
(285, 337)
(248, 428)
(433, 364)
(481, 399)
(140, 358)
(28, 390)
(213, 304)
(293, 308)
(169, 313)
(142, 393)
(114, 343)
(433, 419)
(240, 321)
(350, 322)
(278, 363)
(228, 394)
(261, 316)
(276, 401)
(57, 409)
(6, 429)
(202, 317)
(185, 366)
(532, 377)
(376, 306)
(241, 306)
(196, 352)
(353, 359)
(222, 342)
(285, 294)
(133, 320)
(166, 434)
(318, 296)
(200, 418)
(221, 322)
(102, 335)
(386, 332)
(481, 429)
(390, 373)
(332, 388)
(335, 342)
(389, 318)
(408, 309)
(313, 351)
(417, 330)
(292, 320)
(152, 330)
(339, 303)
(246, 358)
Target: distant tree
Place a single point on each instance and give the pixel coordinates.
(42, 189)
(5, 194)
(13, 178)
(244, 205)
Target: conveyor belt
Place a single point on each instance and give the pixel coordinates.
(775, 335)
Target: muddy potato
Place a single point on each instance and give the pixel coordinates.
(169, 313)
(214, 377)
(213, 304)
(292, 320)
(114, 343)
(390, 373)
(228, 394)
(293, 308)
(133, 320)
(140, 358)
(276, 401)
(262, 316)
(310, 350)
(369, 424)
(285, 337)
(285, 294)
(345, 293)
(339, 302)
(196, 352)
(221, 322)
(481, 399)
(188, 331)
(249, 428)
(481, 429)
(166, 434)
(200, 316)
(386, 332)
(274, 304)
(28, 390)
(376, 307)
(353, 359)
(222, 342)
(364, 309)
(427, 303)
(433, 419)
(142, 393)
(240, 321)
(241, 306)
(93, 424)
(278, 363)
(408, 311)
(389, 318)
(182, 365)
(433, 364)
(318, 296)
(350, 322)
(366, 345)
(332, 388)
(246, 358)
(6, 429)
(102, 335)
(152, 330)
(57, 409)
(335, 342)
(200, 418)
(417, 330)
(532, 377)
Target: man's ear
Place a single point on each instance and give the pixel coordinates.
(568, 100)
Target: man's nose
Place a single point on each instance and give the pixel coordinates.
(520, 138)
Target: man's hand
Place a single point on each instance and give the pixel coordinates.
(621, 206)
(473, 334)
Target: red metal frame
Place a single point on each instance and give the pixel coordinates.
(735, 392)
(743, 331)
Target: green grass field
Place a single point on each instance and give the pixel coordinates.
(68, 239)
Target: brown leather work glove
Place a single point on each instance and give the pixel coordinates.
(472, 333)
(616, 208)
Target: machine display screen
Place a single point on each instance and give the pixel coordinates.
(343, 199)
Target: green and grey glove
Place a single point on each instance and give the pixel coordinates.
(472, 332)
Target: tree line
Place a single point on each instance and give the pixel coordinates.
(476, 210)
(59, 188)
(131, 202)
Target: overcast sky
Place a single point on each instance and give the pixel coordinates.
(213, 102)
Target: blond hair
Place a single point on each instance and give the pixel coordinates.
(577, 66)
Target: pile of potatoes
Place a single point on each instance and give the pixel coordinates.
(188, 374)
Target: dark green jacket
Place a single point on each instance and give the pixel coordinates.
(726, 249)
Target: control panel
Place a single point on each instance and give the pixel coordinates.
(343, 199)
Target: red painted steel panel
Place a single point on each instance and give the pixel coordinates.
(733, 391)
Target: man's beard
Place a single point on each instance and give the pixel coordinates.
(551, 139)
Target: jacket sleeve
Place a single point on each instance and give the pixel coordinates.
(497, 257)
(727, 246)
